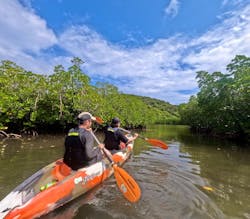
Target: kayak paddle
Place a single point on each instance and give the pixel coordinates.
(127, 185)
(154, 142)
(99, 120)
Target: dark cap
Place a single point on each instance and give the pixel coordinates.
(85, 116)
(115, 121)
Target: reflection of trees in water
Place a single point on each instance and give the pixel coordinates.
(224, 165)
(28, 147)
(183, 135)
(226, 168)
(9, 147)
(169, 132)
(20, 158)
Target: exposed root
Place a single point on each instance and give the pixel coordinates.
(10, 135)
(3, 134)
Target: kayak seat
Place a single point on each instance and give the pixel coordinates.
(61, 170)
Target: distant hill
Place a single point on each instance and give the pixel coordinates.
(160, 104)
(164, 112)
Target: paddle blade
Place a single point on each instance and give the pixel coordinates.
(127, 185)
(99, 120)
(157, 143)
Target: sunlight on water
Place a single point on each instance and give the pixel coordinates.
(196, 177)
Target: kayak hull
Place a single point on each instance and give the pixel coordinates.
(56, 185)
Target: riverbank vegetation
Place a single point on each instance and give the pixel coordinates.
(35, 103)
(222, 106)
(32, 103)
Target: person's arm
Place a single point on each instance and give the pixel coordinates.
(126, 140)
(106, 150)
(100, 149)
(132, 138)
(122, 137)
(91, 152)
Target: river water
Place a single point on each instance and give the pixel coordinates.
(197, 177)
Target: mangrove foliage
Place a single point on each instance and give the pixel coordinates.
(46, 102)
(222, 106)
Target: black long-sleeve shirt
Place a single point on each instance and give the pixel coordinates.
(79, 149)
(113, 137)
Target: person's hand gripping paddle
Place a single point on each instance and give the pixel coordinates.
(152, 141)
(127, 185)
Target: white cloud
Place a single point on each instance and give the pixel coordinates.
(163, 69)
(220, 44)
(232, 2)
(224, 2)
(172, 8)
(24, 30)
(151, 70)
(23, 35)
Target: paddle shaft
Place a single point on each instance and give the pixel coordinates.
(129, 132)
(154, 142)
(127, 185)
(98, 142)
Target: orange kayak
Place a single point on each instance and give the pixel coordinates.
(55, 185)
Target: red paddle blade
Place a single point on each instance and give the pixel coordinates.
(99, 120)
(127, 185)
(157, 143)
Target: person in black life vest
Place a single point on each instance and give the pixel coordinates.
(79, 144)
(114, 136)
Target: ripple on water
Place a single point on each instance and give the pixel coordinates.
(171, 186)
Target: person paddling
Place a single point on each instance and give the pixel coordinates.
(114, 136)
(79, 144)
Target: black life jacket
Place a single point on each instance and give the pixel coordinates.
(75, 156)
(112, 140)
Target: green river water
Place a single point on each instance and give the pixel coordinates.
(197, 177)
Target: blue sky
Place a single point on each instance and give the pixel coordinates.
(145, 47)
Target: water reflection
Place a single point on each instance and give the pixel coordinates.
(226, 170)
(20, 158)
(172, 181)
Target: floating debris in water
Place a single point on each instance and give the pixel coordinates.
(208, 188)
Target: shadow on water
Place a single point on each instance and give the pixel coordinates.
(173, 181)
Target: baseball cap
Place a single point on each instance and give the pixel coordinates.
(115, 121)
(85, 116)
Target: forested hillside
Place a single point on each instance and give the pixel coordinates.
(30, 101)
(165, 112)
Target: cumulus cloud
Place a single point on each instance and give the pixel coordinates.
(24, 30)
(23, 34)
(214, 49)
(172, 8)
(167, 68)
(151, 70)
(164, 69)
